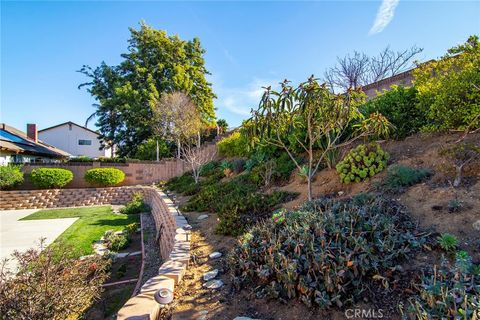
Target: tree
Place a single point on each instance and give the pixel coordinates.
(196, 157)
(175, 118)
(448, 89)
(155, 64)
(314, 118)
(50, 285)
(103, 85)
(222, 126)
(358, 70)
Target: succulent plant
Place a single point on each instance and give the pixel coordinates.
(364, 161)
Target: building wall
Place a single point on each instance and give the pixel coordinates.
(67, 136)
(401, 79)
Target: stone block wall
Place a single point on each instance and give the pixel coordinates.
(173, 241)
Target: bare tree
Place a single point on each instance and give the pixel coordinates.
(196, 157)
(176, 118)
(357, 70)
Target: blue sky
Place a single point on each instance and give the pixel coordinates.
(249, 44)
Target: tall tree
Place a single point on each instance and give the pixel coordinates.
(357, 70)
(103, 85)
(154, 65)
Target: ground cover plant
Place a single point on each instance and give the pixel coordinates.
(362, 162)
(136, 205)
(451, 292)
(50, 284)
(10, 176)
(50, 177)
(401, 176)
(326, 254)
(91, 225)
(242, 204)
(104, 177)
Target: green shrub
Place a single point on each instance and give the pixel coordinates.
(241, 204)
(208, 168)
(448, 89)
(104, 177)
(50, 177)
(362, 162)
(235, 145)
(401, 176)
(303, 174)
(448, 292)
(117, 242)
(399, 105)
(10, 176)
(326, 254)
(447, 242)
(132, 228)
(136, 205)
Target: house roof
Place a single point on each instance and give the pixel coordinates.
(14, 140)
(69, 123)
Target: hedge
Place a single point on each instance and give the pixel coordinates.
(104, 177)
(46, 178)
(10, 176)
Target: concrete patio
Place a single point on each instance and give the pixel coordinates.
(22, 235)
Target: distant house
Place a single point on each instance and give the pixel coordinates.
(75, 139)
(402, 79)
(18, 147)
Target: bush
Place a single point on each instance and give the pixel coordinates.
(235, 145)
(10, 176)
(448, 293)
(117, 242)
(400, 176)
(104, 177)
(328, 253)
(448, 89)
(50, 285)
(136, 205)
(50, 177)
(132, 228)
(362, 162)
(399, 105)
(241, 204)
(447, 242)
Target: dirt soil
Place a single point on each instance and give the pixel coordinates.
(427, 204)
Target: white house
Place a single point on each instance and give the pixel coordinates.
(75, 139)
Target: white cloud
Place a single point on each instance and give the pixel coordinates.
(384, 15)
(241, 100)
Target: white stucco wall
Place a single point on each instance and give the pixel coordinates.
(66, 137)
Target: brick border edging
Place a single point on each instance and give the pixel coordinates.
(170, 273)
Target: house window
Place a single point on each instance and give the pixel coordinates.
(84, 142)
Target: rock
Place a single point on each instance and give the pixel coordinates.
(202, 217)
(215, 255)
(213, 284)
(135, 253)
(476, 225)
(340, 193)
(86, 257)
(121, 255)
(207, 276)
(202, 315)
(244, 318)
(118, 233)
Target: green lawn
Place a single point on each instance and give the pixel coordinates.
(90, 227)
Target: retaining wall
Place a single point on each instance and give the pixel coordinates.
(173, 241)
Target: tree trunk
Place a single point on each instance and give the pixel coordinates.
(179, 149)
(458, 177)
(199, 141)
(158, 152)
(309, 181)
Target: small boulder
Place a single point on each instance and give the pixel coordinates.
(202, 217)
(207, 276)
(476, 225)
(213, 284)
(215, 255)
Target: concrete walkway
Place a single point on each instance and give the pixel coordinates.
(23, 235)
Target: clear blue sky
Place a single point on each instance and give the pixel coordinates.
(249, 44)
